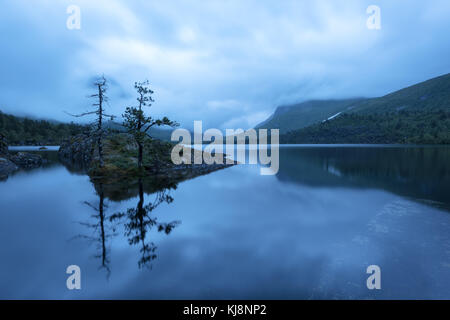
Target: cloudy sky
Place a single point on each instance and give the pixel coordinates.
(229, 63)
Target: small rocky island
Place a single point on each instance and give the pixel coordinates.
(80, 153)
(110, 155)
(131, 154)
(120, 156)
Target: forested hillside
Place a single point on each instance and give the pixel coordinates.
(23, 131)
(430, 95)
(417, 114)
(412, 127)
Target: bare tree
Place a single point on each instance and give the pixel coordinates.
(97, 130)
(137, 123)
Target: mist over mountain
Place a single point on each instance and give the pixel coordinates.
(291, 117)
(416, 114)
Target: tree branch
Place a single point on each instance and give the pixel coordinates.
(80, 115)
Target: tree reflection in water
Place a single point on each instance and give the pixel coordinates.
(137, 222)
(102, 232)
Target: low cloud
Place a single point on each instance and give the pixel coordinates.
(226, 63)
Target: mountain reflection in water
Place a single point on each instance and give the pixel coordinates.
(309, 232)
(419, 173)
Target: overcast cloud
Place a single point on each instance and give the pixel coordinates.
(228, 63)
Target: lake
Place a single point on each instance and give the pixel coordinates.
(309, 232)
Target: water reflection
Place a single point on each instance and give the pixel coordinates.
(102, 231)
(422, 174)
(49, 160)
(136, 222)
(309, 232)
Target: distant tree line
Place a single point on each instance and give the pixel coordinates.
(404, 127)
(23, 131)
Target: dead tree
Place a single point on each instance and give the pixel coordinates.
(97, 128)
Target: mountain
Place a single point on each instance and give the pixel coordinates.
(416, 114)
(430, 95)
(292, 117)
(403, 127)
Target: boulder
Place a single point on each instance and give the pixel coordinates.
(6, 168)
(26, 160)
(13, 162)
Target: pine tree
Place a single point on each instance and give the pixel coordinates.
(137, 123)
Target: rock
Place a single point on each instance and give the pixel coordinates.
(78, 150)
(26, 160)
(6, 168)
(13, 162)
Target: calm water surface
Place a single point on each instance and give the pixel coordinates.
(307, 233)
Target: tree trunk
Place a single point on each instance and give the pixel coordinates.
(140, 155)
(100, 150)
(140, 142)
(100, 126)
